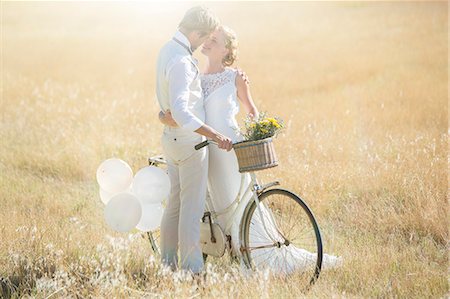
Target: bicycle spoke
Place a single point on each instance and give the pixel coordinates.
(258, 258)
(267, 220)
(264, 225)
(259, 234)
(268, 257)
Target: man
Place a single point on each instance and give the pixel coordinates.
(178, 89)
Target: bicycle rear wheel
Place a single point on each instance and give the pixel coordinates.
(281, 234)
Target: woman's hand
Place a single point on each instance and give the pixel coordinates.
(167, 119)
(243, 75)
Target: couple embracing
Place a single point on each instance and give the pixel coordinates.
(196, 105)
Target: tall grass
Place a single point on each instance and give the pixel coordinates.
(362, 88)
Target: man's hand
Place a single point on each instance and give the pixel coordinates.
(223, 142)
(167, 119)
(243, 75)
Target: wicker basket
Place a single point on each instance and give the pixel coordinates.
(255, 155)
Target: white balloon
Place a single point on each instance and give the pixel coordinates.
(114, 175)
(106, 196)
(151, 185)
(123, 212)
(151, 217)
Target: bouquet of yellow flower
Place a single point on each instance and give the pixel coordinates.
(262, 127)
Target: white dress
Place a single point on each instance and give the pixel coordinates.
(224, 180)
(221, 107)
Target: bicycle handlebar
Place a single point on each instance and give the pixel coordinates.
(201, 145)
(204, 143)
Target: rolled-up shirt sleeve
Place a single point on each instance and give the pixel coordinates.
(180, 77)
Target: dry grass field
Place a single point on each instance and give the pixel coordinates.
(362, 88)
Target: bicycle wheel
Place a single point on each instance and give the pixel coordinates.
(282, 234)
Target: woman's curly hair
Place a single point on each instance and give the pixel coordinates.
(231, 44)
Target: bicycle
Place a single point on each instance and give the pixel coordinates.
(287, 221)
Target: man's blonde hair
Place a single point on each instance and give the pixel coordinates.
(199, 18)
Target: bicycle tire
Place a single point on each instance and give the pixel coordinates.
(294, 202)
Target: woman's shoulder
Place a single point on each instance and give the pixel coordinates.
(231, 73)
(234, 72)
(241, 78)
(231, 70)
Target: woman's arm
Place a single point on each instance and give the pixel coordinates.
(244, 95)
(167, 119)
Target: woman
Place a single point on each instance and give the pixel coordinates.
(224, 90)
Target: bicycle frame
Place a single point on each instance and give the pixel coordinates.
(246, 194)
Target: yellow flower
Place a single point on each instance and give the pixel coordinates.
(262, 127)
(265, 122)
(274, 122)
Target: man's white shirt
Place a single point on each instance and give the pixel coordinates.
(178, 86)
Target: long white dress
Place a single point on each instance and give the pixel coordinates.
(224, 180)
(221, 107)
